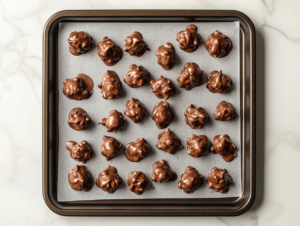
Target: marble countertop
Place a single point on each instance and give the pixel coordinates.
(278, 151)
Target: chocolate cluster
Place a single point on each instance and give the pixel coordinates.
(195, 117)
(135, 110)
(218, 45)
(163, 88)
(80, 178)
(111, 86)
(161, 172)
(223, 146)
(190, 181)
(138, 150)
(109, 180)
(114, 121)
(218, 82)
(137, 182)
(166, 56)
(78, 119)
(136, 76)
(219, 180)
(135, 44)
(78, 88)
(79, 42)
(109, 53)
(197, 145)
(162, 114)
(224, 111)
(110, 147)
(168, 142)
(80, 152)
(189, 39)
(191, 76)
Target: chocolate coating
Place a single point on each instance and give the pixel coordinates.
(166, 56)
(80, 178)
(191, 76)
(162, 114)
(135, 110)
(136, 76)
(109, 53)
(191, 180)
(223, 146)
(137, 182)
(111, 86)
(161, 172)
(163, 88)
(78, 119)
(168, 141)
(80, 42)
(78, 88)
(218, 82)
(80, 152)
(109, 180)
(189, 39)
(196, 145)
(110, 147)
(114, 121)
(219, 180)
(218, 45)
(224, 111)
(135, 151)
(195, 117)
(135, 44)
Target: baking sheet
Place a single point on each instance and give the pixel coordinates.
(155, 34)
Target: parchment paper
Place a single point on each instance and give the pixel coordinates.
(155, 34)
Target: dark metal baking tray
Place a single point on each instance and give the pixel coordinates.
(149, 207)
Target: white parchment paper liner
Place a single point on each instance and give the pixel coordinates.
(155, 34)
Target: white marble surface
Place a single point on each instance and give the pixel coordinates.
(278, 151)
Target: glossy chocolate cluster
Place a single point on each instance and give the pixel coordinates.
(136, 76)
(190, 77)
(218, 82)
(138, 150)
(78, 119)
(80, 152)
(219, 180)
(195, 117)
(189, 39)
(78, 88)
(197, 145)
(137, 182)
(190, 181)
(166, 56)
(110, 147)
(168, 142)
(114, 121)
(218, 45)
(163, 88)
(109, 180)
(109, 53)
(223, 146)
(135, 44)
(162, 114)
(111, 86)
(135, 110)
(80, 42)
(224, 111)
(80, 178)
(161, 172)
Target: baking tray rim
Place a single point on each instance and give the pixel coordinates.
(148, 13)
